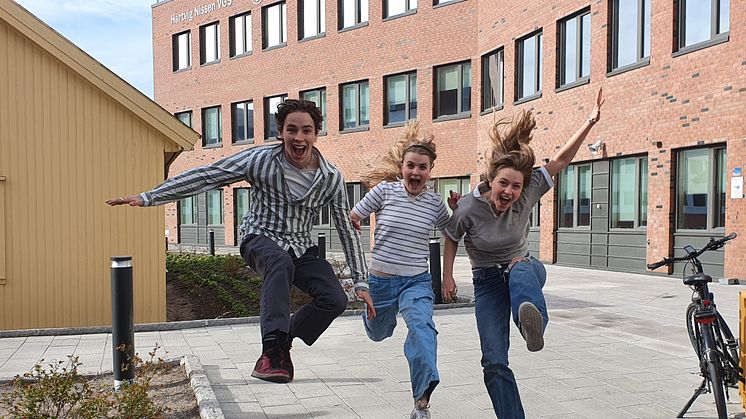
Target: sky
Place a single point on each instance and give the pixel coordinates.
(117, 33)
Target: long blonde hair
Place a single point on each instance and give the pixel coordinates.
(390, 164)
(511, 149)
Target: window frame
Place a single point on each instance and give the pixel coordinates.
(320, 20)
(237, 218)
(358, 125)
(323, 106)
(195, 211)
(407, 98)
(488, 90)
(359, 22)
(576, 198)
(219, 142)
(464, 188)
(269, 117)
(175, 51)
(714, 163)
(639, 161)
(408, 9)
(520, 97)
(247, 32)
(282, 23)
(580, 79)
(203, 43)
(178, 115)
(358, 192)
(460, 113)
(246, 120)
(716, 37)
(221, 206)
(642, 59)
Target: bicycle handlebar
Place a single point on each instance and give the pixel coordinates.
(711, 245)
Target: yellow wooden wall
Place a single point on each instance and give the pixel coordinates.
(66, 147)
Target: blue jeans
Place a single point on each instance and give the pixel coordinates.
(496, 294)
(413, 297)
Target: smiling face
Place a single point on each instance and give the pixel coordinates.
(415, 171)
(505, 188)
(298, 136)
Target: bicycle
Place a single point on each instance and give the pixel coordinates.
(713, 342)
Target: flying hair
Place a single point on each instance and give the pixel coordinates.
(389, 165)
(511, 147)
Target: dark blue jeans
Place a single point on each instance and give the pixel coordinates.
(496, 294)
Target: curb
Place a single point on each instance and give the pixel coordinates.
(209, 407)
(187, 324)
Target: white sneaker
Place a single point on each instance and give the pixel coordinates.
(421, 410)
(531, 326)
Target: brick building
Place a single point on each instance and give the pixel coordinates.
(672, 140)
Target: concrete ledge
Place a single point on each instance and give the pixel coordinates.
(209, 407)
(190, 324)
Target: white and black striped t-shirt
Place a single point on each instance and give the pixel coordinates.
(403, 226)
(273, 212)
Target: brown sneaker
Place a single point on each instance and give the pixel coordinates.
(272, 367)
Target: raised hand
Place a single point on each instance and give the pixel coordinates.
(132, 200)
(596, 112)
(453, 200)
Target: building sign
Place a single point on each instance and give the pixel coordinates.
(204, 9)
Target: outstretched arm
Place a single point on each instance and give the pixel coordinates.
(565, 155)
(448, 286)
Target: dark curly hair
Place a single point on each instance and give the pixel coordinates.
(298, 105)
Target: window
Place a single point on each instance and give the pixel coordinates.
(317, 96)
(534, 220)
(444, 186)
(352, 13)
(356, 192)
(575, 196)
(398, 7)
(209, 43)
(311, 17)
(240, 29)
(437, 2)
(212, 127)
(401, 98)
(493, 76)
(528, 68)
(242, 121)
(575, 48)
(241, 201)
(702, 20)
(181, 44)
(322, 218)
(271, 130)
(185, 117)
(629, 192)
(355, 105)
(630, 32)
(275, 27)
(701, 189)
(453, 90)
(215, 207)
(188, 211)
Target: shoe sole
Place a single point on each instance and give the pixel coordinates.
(275, 378)
(532, 325)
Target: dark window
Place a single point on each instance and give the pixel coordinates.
(181, 44)
(444, 186)
(575, 196)
(352, 13)
(215, 207)
(241, 203)
(271, 130)
(534, 220)
(240, 29)
(275, 27)
(575, 48)
(437, 2)
(355, 105)
(702, 20)
(356, 192)
(629, 192)
(398, 7)
(212, 126)
(493, 76)
(401, 98)
(311, 18)
(453, 90)
(317, 96)
(630, 32)
(701, 189)
(209, 43)
(242, 121)
(528, 66)
(185, 117)
(188, 211)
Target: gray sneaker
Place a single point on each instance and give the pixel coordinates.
(531, 325)
(421, 410)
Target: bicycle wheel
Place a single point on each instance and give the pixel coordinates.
(714, 369)
(731, 351)
(692, 330)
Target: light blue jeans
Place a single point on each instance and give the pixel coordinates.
(413, 297)
(496, 294)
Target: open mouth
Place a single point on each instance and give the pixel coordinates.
(415, 183)
(504, 200)
(299, 151)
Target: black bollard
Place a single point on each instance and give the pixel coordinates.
(122, 324)
(435, 268)
(322, 246)
(211, 242)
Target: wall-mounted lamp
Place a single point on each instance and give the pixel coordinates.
(657, 144)
(596, 147)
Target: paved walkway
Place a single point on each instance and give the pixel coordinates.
(616, 347)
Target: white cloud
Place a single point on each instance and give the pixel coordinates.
(52, 10)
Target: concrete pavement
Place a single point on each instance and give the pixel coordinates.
(616, 347)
